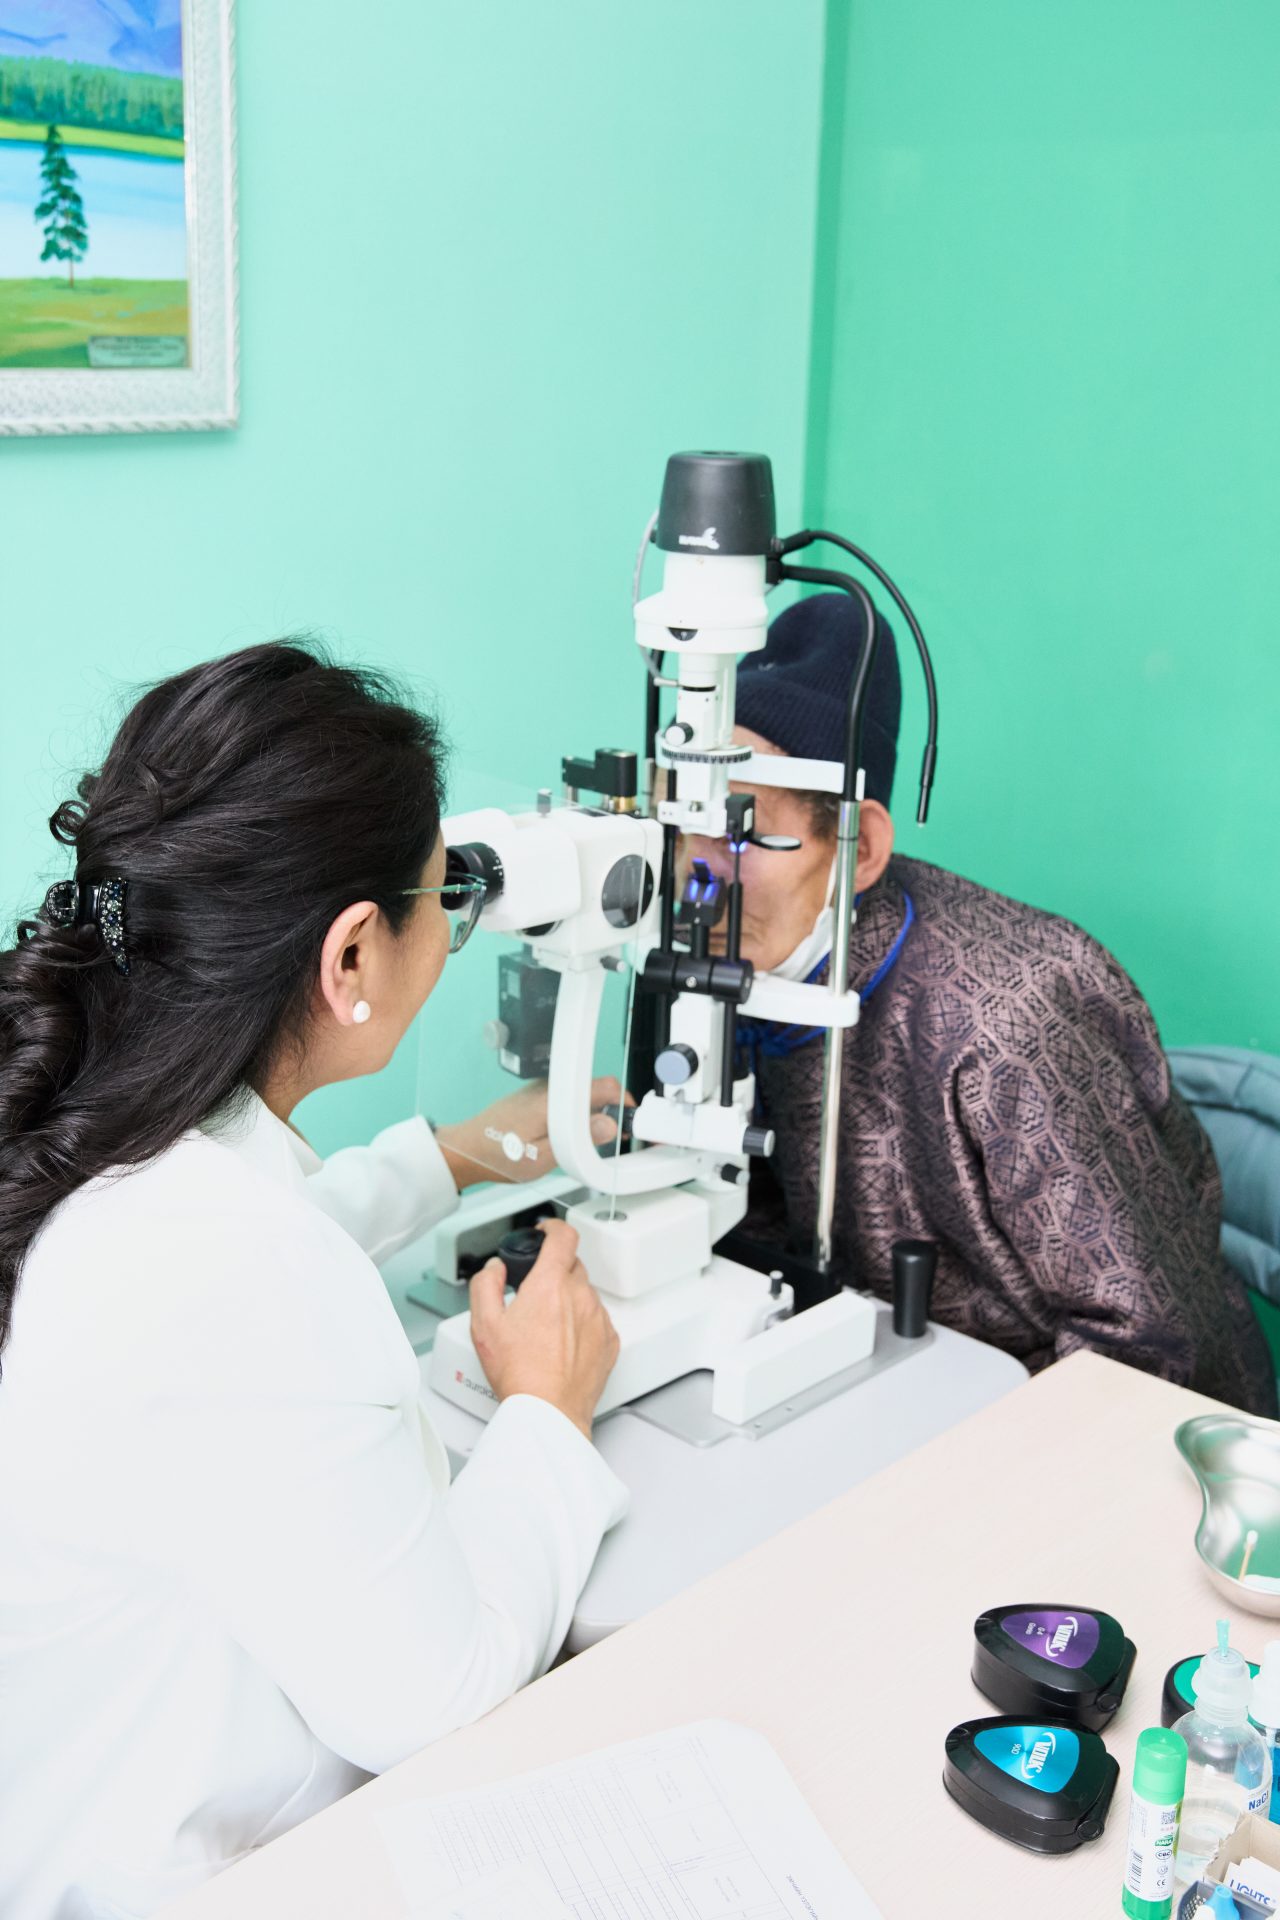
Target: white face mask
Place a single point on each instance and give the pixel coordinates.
(815, 946)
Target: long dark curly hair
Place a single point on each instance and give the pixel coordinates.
(244, 804)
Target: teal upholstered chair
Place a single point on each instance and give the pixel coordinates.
(1236, 1094)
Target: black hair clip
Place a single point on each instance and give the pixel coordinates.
(59, 909)
(99, 903)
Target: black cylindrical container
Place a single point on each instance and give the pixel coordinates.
(914, 1264)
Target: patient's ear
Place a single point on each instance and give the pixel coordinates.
(875, 843)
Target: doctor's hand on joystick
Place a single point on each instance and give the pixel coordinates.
(520, 1251)
(508, 1141)
(553, 1338)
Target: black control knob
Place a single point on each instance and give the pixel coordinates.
(914, 1264)
(760, 1141)
(678, 734)
(518, 1251)
(621, 1116)
(676, 1065)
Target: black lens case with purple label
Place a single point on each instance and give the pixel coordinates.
(1058, 1663)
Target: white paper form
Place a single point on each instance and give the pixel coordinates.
(700, 1823)
(520, 1893)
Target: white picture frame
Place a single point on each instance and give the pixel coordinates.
(203, 394)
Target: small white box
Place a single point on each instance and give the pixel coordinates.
(793, 1355)
(642, 1241)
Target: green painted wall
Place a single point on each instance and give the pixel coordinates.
(497, 261)
(1046, 395)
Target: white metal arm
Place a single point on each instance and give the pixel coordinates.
(573, 1044)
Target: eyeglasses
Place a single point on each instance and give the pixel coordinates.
(462, 898)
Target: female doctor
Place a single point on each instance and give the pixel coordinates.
(234, 1579)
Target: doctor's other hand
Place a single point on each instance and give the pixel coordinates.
(554, 1339)
(508, 1141)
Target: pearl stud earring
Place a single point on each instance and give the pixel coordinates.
(360, 1012)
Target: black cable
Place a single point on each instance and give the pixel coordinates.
(666, 925)
(825, 577)
(652, 696)
(792, 544)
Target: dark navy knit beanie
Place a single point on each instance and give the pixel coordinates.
(795, 692)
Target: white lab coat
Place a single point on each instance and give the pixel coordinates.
(233, 1577)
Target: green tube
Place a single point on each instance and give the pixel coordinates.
(1159, 1782)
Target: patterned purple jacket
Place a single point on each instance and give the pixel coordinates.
(1006, 1095)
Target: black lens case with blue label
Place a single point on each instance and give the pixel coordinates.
(1069, 1664)
(1046, 1787)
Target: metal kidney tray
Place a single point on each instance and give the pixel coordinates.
(1236, 1461)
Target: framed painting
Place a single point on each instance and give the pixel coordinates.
(117, 216)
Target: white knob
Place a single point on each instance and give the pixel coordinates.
(676, 1065)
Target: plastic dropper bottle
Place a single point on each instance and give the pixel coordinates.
(1264, 1711)
(1228, 1761)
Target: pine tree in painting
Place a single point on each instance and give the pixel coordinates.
(66, 237)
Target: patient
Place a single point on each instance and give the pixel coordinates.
(1006, 1094)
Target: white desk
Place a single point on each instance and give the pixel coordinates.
(693, 1509)
(847, 1642)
